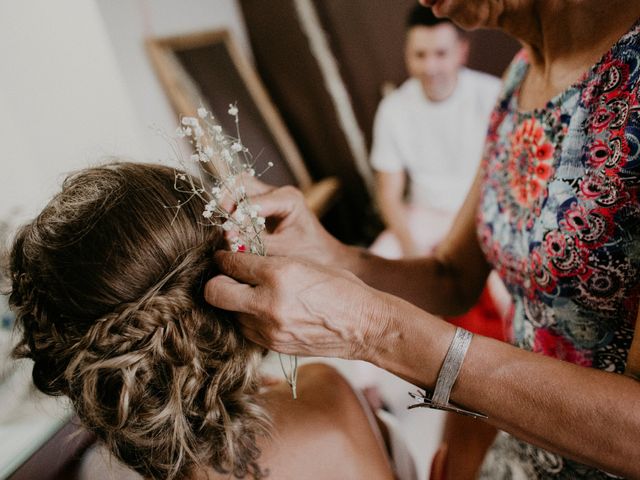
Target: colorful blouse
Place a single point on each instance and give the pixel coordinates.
(559, 219)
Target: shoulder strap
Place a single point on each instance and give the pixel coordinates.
(633, 358)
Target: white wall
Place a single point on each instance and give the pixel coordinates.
(129, 22)
(76, 86)
(63, 103)
(63, 106)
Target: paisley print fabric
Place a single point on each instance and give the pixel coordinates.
(559, 219)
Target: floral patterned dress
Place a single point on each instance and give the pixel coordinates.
(559, 219)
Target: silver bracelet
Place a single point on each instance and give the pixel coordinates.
(447, 377)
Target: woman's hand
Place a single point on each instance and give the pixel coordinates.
(293, 230)
(298, 307)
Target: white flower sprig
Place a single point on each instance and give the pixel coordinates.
(222, 163)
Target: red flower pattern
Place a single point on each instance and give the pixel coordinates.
(530, 163)
(558, 218)
(556, 346)
(561, 248)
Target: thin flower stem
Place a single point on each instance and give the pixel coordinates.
(227, 161)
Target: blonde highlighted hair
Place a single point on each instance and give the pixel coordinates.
(107, 288)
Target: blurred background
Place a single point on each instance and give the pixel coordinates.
(77, 85)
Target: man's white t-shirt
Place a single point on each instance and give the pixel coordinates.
(439, 144)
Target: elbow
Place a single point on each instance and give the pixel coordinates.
(461, 291)
(461, 306)
(470, 297)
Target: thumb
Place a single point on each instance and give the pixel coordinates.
(228, 294)
(280, 202)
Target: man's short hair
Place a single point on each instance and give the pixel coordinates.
(420, 16)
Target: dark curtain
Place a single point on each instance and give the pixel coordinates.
(294, 80)
(366, 38)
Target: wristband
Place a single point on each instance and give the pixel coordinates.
(447, 376)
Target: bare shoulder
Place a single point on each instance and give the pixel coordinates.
(320, 379)
(325, 433)
(324, 398)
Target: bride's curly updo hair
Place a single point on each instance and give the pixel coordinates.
(107, 285)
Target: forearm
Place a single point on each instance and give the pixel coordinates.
(585, 414)
(394, 215)
(426, 282)
(582, 413)
(390, 187)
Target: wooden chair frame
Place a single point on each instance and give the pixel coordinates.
(185, 98)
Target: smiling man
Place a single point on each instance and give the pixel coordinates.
(430, 131)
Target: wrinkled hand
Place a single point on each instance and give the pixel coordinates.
(298, 307)
(294, 229)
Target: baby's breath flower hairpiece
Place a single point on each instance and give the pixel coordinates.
(215, 174)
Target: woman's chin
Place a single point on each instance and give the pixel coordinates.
(467, 15)
(435, 5)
